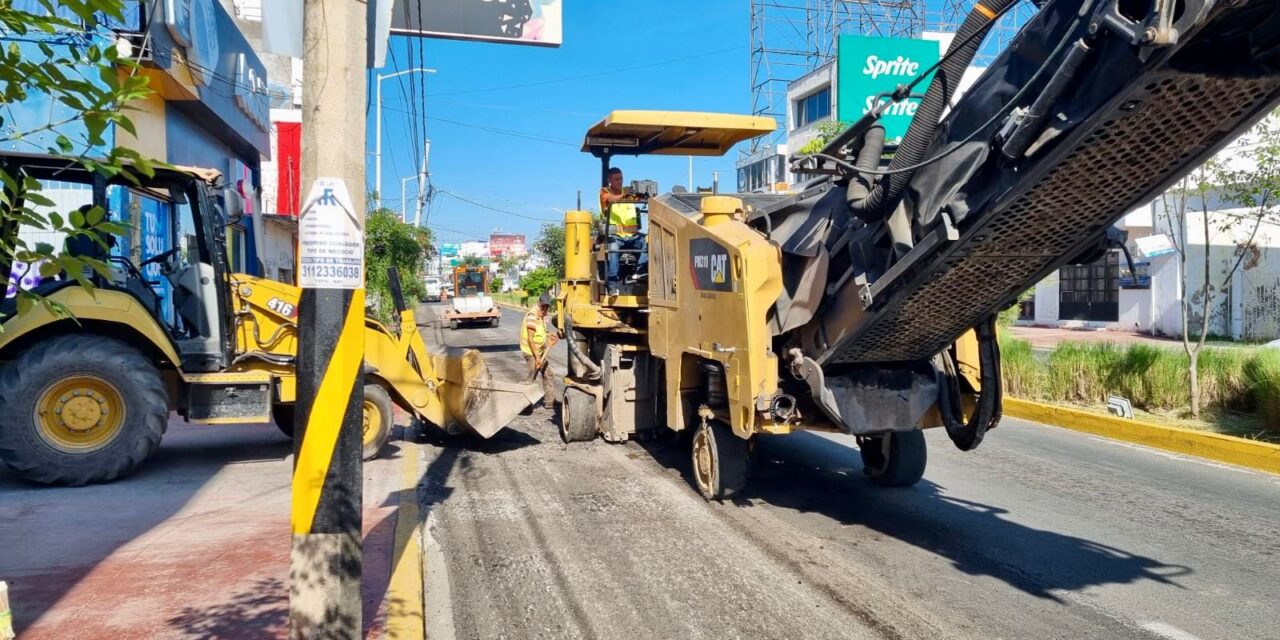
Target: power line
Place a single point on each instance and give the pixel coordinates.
(495, 209)
(506, 132)
(588, 75)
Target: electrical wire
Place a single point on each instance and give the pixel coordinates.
(490, 208)
(597, 74)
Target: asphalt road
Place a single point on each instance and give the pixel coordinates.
(1041, 533)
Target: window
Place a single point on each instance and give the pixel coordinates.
(814, 107)
(1090, 292)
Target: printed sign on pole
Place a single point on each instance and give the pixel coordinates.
(330, 238)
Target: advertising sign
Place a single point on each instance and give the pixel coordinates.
(1154, 245)
(1139, 280)
(504, 244)
(869, 69)
(450, 249)
(330, 238)
(536, 22)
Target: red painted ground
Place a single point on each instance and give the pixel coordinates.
(196, 545)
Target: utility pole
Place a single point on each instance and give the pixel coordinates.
(326, 558)
(422, 182)
(377, 127)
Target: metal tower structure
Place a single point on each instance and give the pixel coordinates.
(790, 38)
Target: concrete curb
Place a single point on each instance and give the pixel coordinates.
(405, 602)
(509, 305)
(1238, 451)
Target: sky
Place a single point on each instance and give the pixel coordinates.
(506, 122)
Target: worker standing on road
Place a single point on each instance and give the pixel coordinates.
(618, 205)
(536, 343)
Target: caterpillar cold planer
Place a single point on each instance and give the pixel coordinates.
(864, 301)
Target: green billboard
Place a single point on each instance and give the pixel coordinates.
(869, 69)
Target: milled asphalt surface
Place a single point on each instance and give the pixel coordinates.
(1040, 533)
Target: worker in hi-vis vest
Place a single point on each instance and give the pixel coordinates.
(536, 343)
(618, 205)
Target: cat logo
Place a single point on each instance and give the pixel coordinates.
(717, 268)
(710, 265)
(281, 307)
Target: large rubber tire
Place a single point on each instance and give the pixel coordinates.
(721, 461)
(23, 386)
(578, 416)
(897, 459)
(379, 416)
(283, 415)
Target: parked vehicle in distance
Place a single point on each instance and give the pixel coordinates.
(434, 288)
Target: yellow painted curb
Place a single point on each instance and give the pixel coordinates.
(1239, 451)
(404, 606)
(509, 305)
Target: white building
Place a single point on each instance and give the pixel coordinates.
(1246, 306)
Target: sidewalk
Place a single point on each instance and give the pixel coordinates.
(196, 544)
(1048, 338)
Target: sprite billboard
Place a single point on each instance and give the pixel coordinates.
(871, 68)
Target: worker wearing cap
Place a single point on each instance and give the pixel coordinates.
(617, 203)
(536, 343)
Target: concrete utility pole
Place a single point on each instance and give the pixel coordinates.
(326, 559)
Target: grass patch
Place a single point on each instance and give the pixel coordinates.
(1239, 389)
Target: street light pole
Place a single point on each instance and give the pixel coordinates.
(404, 213)
(377, 164)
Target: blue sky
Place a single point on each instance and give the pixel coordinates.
(652, 54)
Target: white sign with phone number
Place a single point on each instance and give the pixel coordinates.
(330, 238)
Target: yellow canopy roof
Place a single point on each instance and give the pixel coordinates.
(672, 133)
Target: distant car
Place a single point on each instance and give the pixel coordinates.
(434, 288)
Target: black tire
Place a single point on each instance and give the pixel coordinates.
(25, 380)
(578, 416)
(896, 459)
(724, 471)
(377, 399)
(283, 415)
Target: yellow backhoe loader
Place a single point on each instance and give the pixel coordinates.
(863, 301)
(86, 398)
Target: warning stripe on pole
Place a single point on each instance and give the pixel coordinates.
(335, 398)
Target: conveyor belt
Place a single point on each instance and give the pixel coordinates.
(1114, 165)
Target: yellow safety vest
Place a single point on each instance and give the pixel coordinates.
(532, 321)
(623, 219)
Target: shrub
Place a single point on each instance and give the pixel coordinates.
(1262, 373)
(1152, 378)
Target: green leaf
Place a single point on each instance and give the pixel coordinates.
(49, 269)
(25, 302)
(55, 220)
(95, 215)
(77, 219)
(44, 248)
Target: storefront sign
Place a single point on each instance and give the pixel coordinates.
(194, 25)
(870, 68)
(251, 92)
(330, 238)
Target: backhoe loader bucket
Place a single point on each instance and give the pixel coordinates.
(473, 398)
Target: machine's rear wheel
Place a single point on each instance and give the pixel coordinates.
(578, 416)
(80, 409)
(720, 461)
(379, 416)
(283, 416)
(896, 459)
